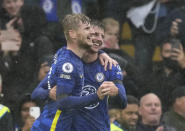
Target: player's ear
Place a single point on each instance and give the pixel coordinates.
(72, 34)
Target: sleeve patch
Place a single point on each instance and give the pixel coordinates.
(67, 67)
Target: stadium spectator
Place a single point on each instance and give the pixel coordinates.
(150, 111)
(112, 47)
(22, 64)
(169, 73)
(129, 115)
(143, 25)
(173, 24)
(115, 107)
(6, 121)
(176, 116)
(123, 119)
(24, 120)
(8, 10)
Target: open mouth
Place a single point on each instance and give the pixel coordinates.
(97, 42)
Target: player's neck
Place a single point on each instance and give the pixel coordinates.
(90, 57)
(76, 49)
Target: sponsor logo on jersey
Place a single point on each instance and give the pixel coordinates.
(65, 76)
(67, 67)
(87, 90)
(99, 77)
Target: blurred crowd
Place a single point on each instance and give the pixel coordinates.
(30, 34)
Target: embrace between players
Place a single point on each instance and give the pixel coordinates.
(77, 86)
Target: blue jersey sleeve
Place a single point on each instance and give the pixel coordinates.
(67, 76)
(122, 94)
(117, 77)
(68, 80)
(77, 101)
(41, 91)
(101, 52)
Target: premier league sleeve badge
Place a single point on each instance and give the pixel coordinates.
(67, 67)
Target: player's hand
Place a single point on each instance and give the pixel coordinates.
(28, 123)
(174, 30)
(109, 88)
(105, 59)
(52, 93)
(102, 91)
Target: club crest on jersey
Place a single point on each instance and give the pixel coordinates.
(99, 77)
(88, 90)
(67, 67)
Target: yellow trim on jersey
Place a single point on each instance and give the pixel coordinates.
(55, 120)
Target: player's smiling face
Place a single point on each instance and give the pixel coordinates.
(97, 38)
(84, 35)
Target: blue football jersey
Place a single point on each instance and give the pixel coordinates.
(95, 116)
(67, 73)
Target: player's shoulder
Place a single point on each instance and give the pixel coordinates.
(66, 58)
(67, 55)
(116, 68)
(63, 52)
(68, 61)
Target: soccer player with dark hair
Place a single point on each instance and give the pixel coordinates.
(67, 75)
(95, 117)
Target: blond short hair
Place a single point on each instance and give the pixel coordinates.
(72, 22)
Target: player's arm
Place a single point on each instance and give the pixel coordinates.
(67, 101)
(106, 60)
(116, 77)
(67, 80)
(77, 101)
(122, 93)
(115, 88)
(41, 92)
